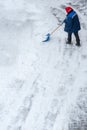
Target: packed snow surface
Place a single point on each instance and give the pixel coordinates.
(43, 86)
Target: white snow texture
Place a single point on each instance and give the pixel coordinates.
(43, 86)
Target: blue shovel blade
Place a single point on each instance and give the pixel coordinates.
(47, 38)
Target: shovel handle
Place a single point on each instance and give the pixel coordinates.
(55, 29)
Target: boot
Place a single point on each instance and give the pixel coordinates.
(78, 44)
(68, 42)
(69, 38)
(77, 39)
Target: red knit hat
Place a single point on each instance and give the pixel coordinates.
(68, 9)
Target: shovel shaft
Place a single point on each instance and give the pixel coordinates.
(55, 29)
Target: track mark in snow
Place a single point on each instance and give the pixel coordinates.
(51, 115)
(17, 84)
(23, 112)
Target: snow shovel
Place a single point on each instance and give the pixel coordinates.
(49, 34)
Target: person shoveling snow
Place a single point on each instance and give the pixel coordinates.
(72, 25)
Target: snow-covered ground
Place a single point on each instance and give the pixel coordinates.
(43, 86)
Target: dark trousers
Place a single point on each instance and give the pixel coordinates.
(76, 36)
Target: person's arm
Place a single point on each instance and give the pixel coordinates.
(69, 22)
(64, 21)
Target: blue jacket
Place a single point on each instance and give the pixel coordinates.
(72, 23)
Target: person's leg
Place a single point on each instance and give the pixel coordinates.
(69, 38)
(77, 38)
